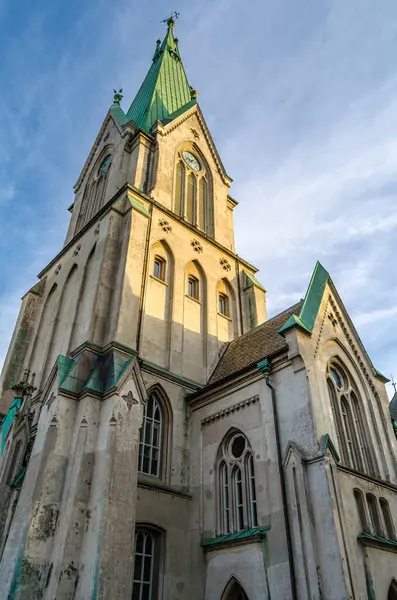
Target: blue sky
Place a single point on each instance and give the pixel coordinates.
(301, 99)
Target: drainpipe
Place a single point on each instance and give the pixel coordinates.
(265, 367)
(239, 297)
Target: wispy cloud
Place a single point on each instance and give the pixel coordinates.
(300, 97)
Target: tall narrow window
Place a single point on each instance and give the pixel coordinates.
(224, 494)
(151, 438)
(238, 499)
(191, 198)
(387, 519)
(179, 188)
(159, 268)
(236, 485)
(146, 565)
(94, 192)
(193, 287)
(349, 419)
(223, 305)
(376, 524)
(251, 491)
(193, 191)
(361, 510)
(202, 200)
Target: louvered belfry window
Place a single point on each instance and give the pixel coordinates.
(191, 191)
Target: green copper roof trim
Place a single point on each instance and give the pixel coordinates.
(379, 375)
(180, 111)
(165, 88)
(238, 535)
(18, 478)
(326, 442)
(137, 204)
(8, 420)
(118, 114)
(253, 281)
(311, 305)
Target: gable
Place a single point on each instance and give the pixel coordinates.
(197, 130)
(109, 133)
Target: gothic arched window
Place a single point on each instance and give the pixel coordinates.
(236, 485)
(387, 519)
(94, 192)
(347, 410)
(151, 437)
(191, 192)
(146, 564)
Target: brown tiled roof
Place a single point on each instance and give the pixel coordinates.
(254, 345)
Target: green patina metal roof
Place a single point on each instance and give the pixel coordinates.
(311, 305)
(165, 91)
(238, 535)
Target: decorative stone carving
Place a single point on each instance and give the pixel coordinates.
(59, 267)
(165, 226)
(96, 230)
(197, 247)
(195, 133)
(129, 400)
(229, 410)
(77, 250)
(225, 264)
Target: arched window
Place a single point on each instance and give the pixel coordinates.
(223, 305)
(347, 410)
(94, 192)
(193, 289)
(387, 519)
(236, 485)
(159, 268)
(146, 564)
(191, 191)
(361, 510)
(376, 525)
(151, 438)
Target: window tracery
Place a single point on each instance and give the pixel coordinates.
(146, 564)
(236, 485)
(191, 195)
(347, 410)
(94, 192)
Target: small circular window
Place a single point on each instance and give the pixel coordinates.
(337, 377)
(237, 446)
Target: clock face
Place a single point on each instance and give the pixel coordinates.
(191, 160)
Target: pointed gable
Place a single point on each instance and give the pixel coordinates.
(165, 90)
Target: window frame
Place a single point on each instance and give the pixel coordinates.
(162, 268)
(374, 516)
(388, 524)
(156, 567)
(223, 298)
(236, 487)
(148, 423)
(351, 432)
(193, 288)
(192, 205)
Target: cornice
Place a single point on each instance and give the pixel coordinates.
(229, 410)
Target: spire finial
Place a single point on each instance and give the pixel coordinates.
(394, 384)
(171, 19)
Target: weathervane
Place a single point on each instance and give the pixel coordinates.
(170, 20)
(118, 96)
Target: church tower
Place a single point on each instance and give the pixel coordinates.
(128, 317)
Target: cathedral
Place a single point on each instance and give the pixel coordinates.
(161, 438)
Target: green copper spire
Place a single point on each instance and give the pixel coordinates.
(165, 90)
